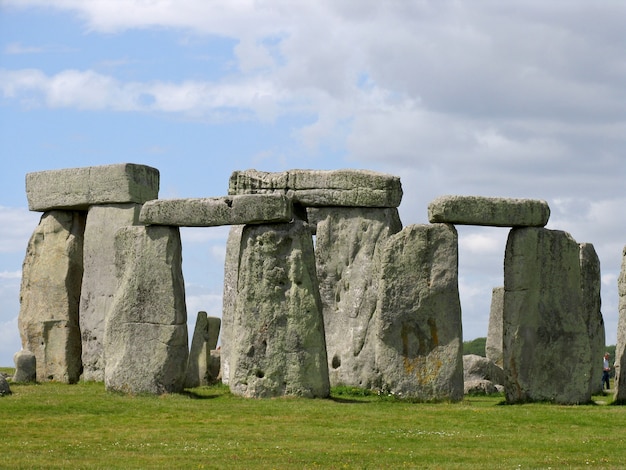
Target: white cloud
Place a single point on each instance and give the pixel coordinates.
(16, 227)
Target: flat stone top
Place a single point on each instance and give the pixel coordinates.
(79, 188)
(317, 188)
(489, 211)
(216, 211)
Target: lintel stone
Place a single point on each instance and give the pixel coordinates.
(317, 188)
(79, 188)
(211, 212)
(490, 211)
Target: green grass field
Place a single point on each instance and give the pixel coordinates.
(83, 426)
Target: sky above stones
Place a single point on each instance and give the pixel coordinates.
(514, 99)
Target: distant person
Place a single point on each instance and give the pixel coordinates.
(606, 369)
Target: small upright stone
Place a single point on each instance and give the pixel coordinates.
(4, 386)
(25, 366)
(493, 346)
(491, 211)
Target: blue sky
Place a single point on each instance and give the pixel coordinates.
(514, 99)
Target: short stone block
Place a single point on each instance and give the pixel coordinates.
(79, 188)
(489, 211)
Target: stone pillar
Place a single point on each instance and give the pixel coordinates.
(145, 338)
(547, 353)
(418, 339)
(620, 349)
(493, 346)
(50, 292)
(347, 241)
(278, 325)
(203, 341)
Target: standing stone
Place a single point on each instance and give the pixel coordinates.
(547, 354)
(25, 366)
(493, 346)
(347, 241)
(418, 339)
(592, 316)
(50, 291)
(5, 389)
(145, 341)
(620, 349)
(203, 341)
(277, 339)
(99, 280)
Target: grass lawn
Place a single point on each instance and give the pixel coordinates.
(83, 426)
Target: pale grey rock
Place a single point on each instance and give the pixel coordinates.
(51, 281)
(491, 211)
(474, 386)
(347, 242)
(145, 342)
(316, 188)
(592, 316)
(418, 340)
(477, 367)
(80, 188)
(277, 339)
(25, 366)
(213, 374)
(547, 352)
(216, 211)
(493, 345)
(5, 389)
(620, 347)
(204, 339)
(100, 280)
(214, 326)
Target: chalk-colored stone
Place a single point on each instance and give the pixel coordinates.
(100, 280)
(547, 352)
(418, 339)
(79, 188)
(25, 366)
(493, 345)
(210, 212)
(145, 341)
(277, 339)
(491, 211)
(316, 188)
(204, 340)
(51, 281)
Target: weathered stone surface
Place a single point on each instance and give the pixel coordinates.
(315, 188)
(79, 188)
(480, 387)
(547, 354)
(100, 280)
(229, 296)
(492, 211)
(418, 339)
(145, 341)
(591, 301)
(25, 366)
(479, 367)
(210, 212)
(277, 339)
(50, 291)
(214, 326)
(620, 347)
(5, 389)
(347, 242)
(203, 341)
(213, 374)
(493, 346)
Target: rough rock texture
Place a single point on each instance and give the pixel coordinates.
(315, 188)
(50, 291)
(492, 211)
(25, 366)
(277, 332)
(347, 241)
(100, 280)
(590, 288)
(493, 346)
(210, 212)
(4, 386)
(203, 341)
(481, 375)
(620, 348)
(213, 375)
(79, 188)
(418, 340)
(145, 341)
(547, 352)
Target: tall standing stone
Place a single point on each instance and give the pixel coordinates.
(204, 340)
(419, 337)
(50, 292)
(620, 349)
(145, 341)
(547, 353)
(493, 346)
(99, 280)
(277, 339)
(347, 241)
